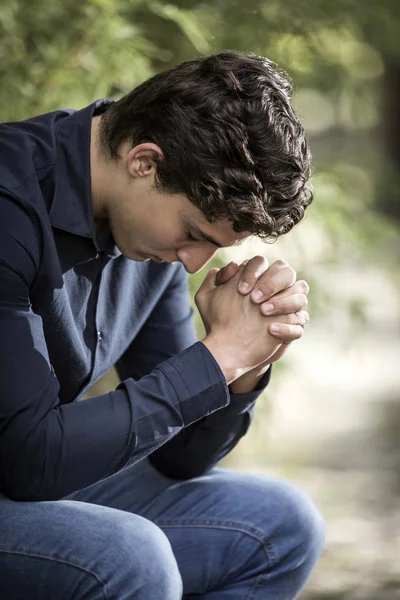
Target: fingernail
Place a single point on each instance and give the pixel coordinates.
(243, 286)
(268, 309)
(257, 295)
(275, 329)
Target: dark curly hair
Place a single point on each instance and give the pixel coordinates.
(231, 140)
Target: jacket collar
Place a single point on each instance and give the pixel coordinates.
(72, 209)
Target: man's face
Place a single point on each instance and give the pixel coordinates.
(168, 227)
(151, 225)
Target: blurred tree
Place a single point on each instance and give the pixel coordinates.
(343, 57)
(67, 53)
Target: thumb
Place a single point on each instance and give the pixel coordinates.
(209, 282)
(227, 272)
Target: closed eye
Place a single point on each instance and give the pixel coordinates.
(203, 236)
(190, 237)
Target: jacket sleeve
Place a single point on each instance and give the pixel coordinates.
(49, 450)
(168, 331)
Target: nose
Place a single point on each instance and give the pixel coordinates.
(195, 259)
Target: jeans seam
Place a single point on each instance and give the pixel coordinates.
(260, 582)
(228, 525)
(58, 560)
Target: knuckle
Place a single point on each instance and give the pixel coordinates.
(292, 272)
(255, 262)
(301, 318)
(297, 333)
(306, 316)
(292, 319)
(280, 263)
(303, 301)
(303, 286)
(294, 332)
(261, 265)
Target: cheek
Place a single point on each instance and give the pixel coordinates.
(124, 233)
(147, 231)
(160, 236)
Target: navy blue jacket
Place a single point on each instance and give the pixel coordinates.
(71, 306)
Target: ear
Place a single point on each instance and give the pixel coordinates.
(141, 160)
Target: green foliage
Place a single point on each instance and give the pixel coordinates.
(67, 53)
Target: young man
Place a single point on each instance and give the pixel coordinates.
(103, 211)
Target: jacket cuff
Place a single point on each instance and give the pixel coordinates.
(244, 401)
(198, 382)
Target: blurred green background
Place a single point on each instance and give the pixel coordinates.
(331, 417)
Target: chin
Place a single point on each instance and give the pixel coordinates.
(134, 255)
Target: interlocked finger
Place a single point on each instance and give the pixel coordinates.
(275, 280)
(284, 305)
(285, 332)
(290, 327)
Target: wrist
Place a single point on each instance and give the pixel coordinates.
(226, 360)
(248, 382)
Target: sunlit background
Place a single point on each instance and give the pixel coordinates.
(330, 420)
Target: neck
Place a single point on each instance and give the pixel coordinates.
(99, 169)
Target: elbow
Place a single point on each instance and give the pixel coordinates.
(20, 490)
(23, 478)
(22, 481)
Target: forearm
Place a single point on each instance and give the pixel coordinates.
(198, 448)
(74, 445)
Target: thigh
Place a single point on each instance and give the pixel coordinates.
(73, 550)
(222, 526)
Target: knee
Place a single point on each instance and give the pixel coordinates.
(149, 565)
(128, 555)
(300, 525)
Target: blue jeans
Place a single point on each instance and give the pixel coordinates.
(140, 535)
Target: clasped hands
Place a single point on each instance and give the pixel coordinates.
(254, 311)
